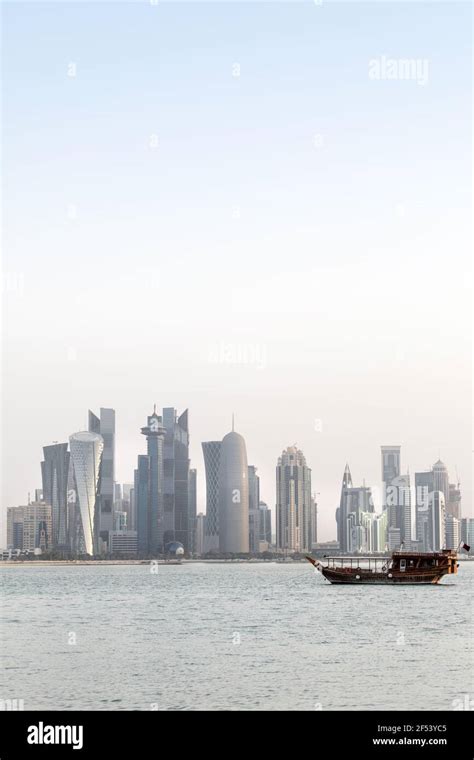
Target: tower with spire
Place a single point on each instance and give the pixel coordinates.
(150, 508)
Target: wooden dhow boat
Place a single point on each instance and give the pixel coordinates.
(401, 568)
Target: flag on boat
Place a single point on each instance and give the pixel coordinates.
(466, 547)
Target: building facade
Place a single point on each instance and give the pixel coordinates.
(265, 524)
(436, 521)
(293, 501)
(192, 508)
(176, 477)
(105, 427)
(212, 456)
(54, 473)
(86, 456)
(254, 512)
(37, 526)
(15, 527)
(453, 532)
(154, 433)
(467, 532)
(233, 495)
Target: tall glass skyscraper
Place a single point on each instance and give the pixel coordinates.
(293, 501)
(176, 477)
(212, 457)
(233, 495)
(54, 473)
(441, 479)
(105, 426)
(86, 455)
(390, 463)
(141, 504)
(192, 509)
(254, 511)
(155, 433)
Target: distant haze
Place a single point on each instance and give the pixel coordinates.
(229, 208)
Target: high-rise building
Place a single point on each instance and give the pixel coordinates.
(192, 508)
(390, 463)
(467, 532)
(355, 516)
(441, 479)
(86, 455)
(453, 532)
(54, 472)
(398, 505)
(37, 525)
(314, 520)
(265, 524)
(341, 517)
(105, 426)
(436, 521)
(142, 518)
(154, 433)
(15, 527)
(396, 497)
(74, 520)
(423, 487)
(212, 456)
(453, 507)
(199, 535)
(254, 512)
(379, 533)
(176, 477)
(233, 495)
(133, 509)
(293, 501)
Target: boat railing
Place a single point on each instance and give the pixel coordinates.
(370, 563)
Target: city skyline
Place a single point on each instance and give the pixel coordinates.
(273, 244)
(436, 473)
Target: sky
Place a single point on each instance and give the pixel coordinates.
(246, 208)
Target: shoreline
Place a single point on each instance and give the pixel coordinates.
(109, 562)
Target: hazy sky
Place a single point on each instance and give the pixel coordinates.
(222, 207)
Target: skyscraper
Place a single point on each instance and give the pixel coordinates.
(154, 433)
(265, 523)
(453, 532)
(233, 495)
(176, 477)
(441, 479)
(86, 455)
(453, 507)
(142, 517)
(37, 526)
(212, 456)
(390, 463)
(105, 426)
(192, 509)
(423, 488)
(355, 516)
(54, 472)
(467, 532)
(341, 517)
(254, 512)
(398, 503)
(15, 527)
(314, 520)
(199, 535)
(436, 521)
(293, 501)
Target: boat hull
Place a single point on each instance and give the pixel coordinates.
(386, 579)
